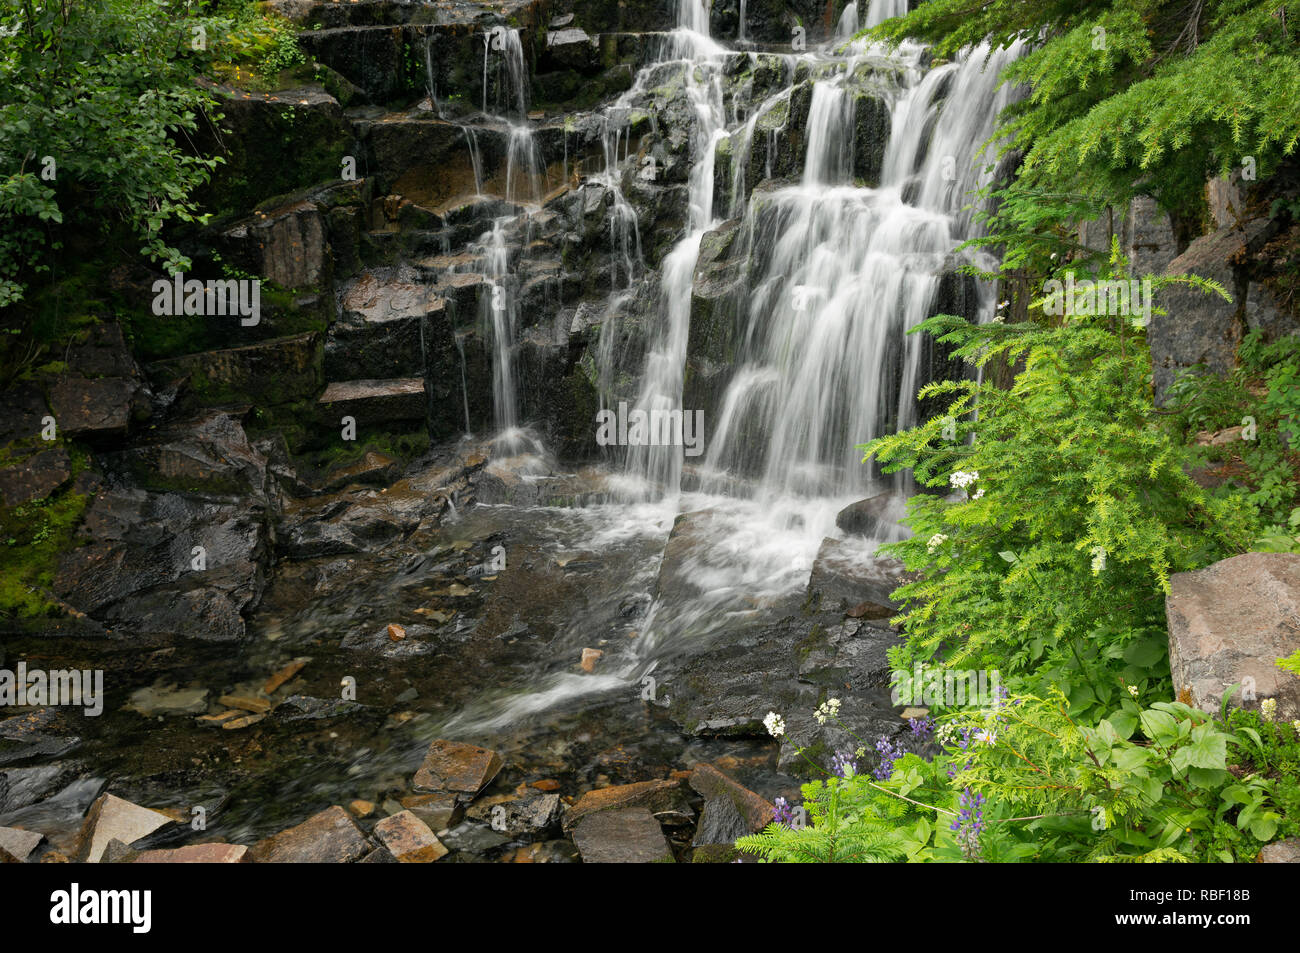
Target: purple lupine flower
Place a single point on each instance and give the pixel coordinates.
(783, 814)
(889, 753)
(922, 728)
(969, 823)
(844, 764)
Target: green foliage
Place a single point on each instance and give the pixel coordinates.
(105, 90)
(1053, 564)
(1023, 781)
(1262, 395)
(843, 831)
(1129, 96)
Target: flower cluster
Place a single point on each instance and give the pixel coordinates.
(844, 765)
(969, 824)
(922, 728)
(784, 813)
(1098, 559)
(964, 478)
(827, 709)
(774, 724)
(889, 753)
(1268, 708)
(937, 540)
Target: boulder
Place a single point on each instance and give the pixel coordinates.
(876, 517)
(287, 244)
(720, 823)
(375, 468)
(113, 818)
(455, 768)
(1281, 852)
(753, 810)
(98, 410)
(409, 839)
(330, 837)
(622, 836)
(1201, 328)
(136, 571)
(529, 816)
(1229, 623)
(654, 796)
(383, 328)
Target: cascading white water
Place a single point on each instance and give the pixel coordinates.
(501, 314)
(848, 24)
(840, 274)
(878, 11)
(837, 274)
(525, 169)
(660, 465)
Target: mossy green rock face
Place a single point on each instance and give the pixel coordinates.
(257, 132)
(267, 374)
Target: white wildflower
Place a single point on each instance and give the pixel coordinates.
(1133, 690)
(1098, 559)
(964, 478)
(774, 724)
(937, 540)
(1268, 708)
(977, 494)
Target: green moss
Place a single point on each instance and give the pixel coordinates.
(33, 536)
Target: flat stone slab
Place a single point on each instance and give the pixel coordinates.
(456, 768)
(375, 402)
(93, 408)
(113, 818)
(197, 854)
(409, 839)
(18, 842)
(36, 477)
(654, 796)
(330, 837)
(622, 836)
(1229, 623)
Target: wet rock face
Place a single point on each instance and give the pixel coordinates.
(1201, 328)
(165, 565)
(1228, 624)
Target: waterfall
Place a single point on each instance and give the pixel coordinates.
(525, 169)
(660, 465)
(879, 11)
(848, 24)
(839, 274)
(500, 311)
